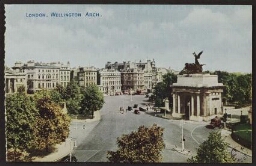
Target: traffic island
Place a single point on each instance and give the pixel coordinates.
(184, 151)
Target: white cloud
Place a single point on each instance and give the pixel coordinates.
(169, 34)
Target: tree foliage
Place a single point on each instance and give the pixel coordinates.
(92, 100)
(17, 155)
(20, 123)
(72, 91)
(72, 95)
(213, 150)
(238, 87)
(52, 125)
(142, 146)
(163, 89)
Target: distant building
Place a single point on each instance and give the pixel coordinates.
(132, 79)
(13, 80)
(148, 69)
(87, 76)
(109, 81)
(43, 75)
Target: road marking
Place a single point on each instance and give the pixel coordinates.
(92, 155)
(193, 131)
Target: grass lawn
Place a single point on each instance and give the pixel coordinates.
(244, 131)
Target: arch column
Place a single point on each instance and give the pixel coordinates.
(178, 103)
(198, 105)
(9, 85)
(192, 105)
(174, 103)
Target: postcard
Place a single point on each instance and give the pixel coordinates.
(128, 83)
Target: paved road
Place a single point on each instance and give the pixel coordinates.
(94, 144)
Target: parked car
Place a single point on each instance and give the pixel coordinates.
(216, 122)
(136, 111)
(129, 108)
(142, 109)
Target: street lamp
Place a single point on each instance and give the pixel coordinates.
(189, 110)
(182, 136)
(131, 93)
(72, 145)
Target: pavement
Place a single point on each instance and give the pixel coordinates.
(66, 147)
(226, 134)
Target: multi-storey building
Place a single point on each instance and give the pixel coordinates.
(132, 79)
(87, 76)
(43, 75)
(13, 80)
(148, 68)
(65, 72)
(109, 81)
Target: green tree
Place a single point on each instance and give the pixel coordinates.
(238, 87)
(52, 125)
(21, 89)
(142, 146)
(159, 94)
(56, 96)
(213, 150)
(59, 88)
(92, 100)
(72, 91)
(20, 123)
(163, 89)
(73, 97)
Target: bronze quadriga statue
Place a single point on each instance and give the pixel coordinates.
(193, 68)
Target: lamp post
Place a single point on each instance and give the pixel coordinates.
(131, 93)
(188, 110)
(182, 136)
(72, 145)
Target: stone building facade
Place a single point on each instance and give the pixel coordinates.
(13, 80)
(132, 79)
(197, 97)
(87, 76)
(148, 68)
(109, 81)
(43, 75)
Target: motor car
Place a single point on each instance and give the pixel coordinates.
(136, 111)
(129, 108)
(216, 122)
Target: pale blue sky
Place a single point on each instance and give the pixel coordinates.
(167, 33)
